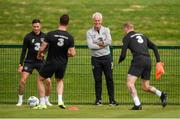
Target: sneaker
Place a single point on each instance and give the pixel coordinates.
(40, 107)
(98, 102)
(19, 104)
(61, 105)
(163, 99)
(48, 103)
(113, 103)
(136, 107)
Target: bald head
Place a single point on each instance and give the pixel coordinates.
(128, 26)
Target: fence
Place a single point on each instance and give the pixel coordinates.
(79, 83)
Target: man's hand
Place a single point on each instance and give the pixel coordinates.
(71, 52)
(100, 43)
(40, 56)
(20, 68)
(41, 51)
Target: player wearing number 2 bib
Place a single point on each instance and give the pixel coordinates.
(140, 65)
(29, 61)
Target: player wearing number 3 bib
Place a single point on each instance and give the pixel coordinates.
(30, 48)
(60, 46)
(141, 63)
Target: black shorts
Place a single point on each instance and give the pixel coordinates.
(29, 67)
(49, 68)
(141, 67)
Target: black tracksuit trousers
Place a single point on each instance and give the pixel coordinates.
(100, 65)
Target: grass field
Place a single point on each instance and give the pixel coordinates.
(90, 111)
(158, 19)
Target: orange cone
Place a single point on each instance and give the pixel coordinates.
(74, 108)
(159, 70)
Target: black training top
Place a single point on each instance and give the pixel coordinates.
(138, 44)
(32, 44)
(59, 43)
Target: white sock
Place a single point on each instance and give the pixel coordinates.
(20, 98)
(42, 101)
(136, 101)
(46, 98)
(158, 92)
(60, 99)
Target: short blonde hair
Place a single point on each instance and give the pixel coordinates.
(97, 14)
(128, 25)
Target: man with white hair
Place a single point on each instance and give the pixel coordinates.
(99, 40)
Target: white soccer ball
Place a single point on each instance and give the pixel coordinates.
(33, 101)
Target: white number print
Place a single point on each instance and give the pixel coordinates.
(37, 46)
(139, 39)
(60, 42)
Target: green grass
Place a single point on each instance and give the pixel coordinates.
(90, 111)
(158, 19)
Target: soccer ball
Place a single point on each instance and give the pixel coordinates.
(33, 101)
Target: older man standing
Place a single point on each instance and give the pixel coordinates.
(99, 40)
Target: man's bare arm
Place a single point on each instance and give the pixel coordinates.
(41, 51)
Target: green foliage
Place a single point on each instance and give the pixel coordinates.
(158, 19)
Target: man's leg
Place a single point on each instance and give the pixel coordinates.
(41, 91)
(98, 85)
(131, 87)
(108, 69)
(22, 82)
(97, 74)
(148, 88)
(48, 91)
(60, 90)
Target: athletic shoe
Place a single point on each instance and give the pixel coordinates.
(61, 105)
(113, 103)
(19, 103)
(163, 99)
(40, 107)
(136, 107)
(98, 102)
(48, 103)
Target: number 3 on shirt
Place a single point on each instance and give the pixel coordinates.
(37, 46)
(60, 42)
(139, 39)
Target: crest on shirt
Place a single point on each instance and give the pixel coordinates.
(33, 40)
(25, 68)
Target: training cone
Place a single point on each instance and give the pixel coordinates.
(74, 108)
(159, 70)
